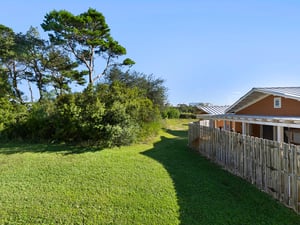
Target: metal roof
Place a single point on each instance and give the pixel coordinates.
(213, 109)
(256, 94)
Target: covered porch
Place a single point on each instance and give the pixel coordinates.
(277, 128)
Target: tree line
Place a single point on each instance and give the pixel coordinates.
(116, 107)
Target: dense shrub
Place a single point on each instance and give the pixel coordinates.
(170, 113)
(67, 119)
(187, 116)
(12, 114)
(127, 114)
(7, 114)
(122, 109)
(40, 124)
(109, 115)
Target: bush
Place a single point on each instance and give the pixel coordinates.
(149, 130)
(187, 116)
(38, 124)
(170, 113)
(12, 115)
(114, 115)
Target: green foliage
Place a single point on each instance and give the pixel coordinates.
(6, 42)
(85, 36)
(128, 62)
(109, 115)
(32, 59)
(170, 113)
(149, 131)
(187, 116)
(7, 113)
(68, 119)
(185, 111)
(5, 87)
(91, 115)
(47, 65)
(127, 114)
(12, 115)
(183, 108)
(61, 70)
(75, 40)
(120, 112)
(39, 124)
(152, 88)
(10, 70)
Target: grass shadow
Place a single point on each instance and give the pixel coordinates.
(177, 133)
(209, 195)
(17, 147)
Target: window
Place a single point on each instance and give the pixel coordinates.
(277, 102)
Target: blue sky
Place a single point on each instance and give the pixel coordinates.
(206, 51)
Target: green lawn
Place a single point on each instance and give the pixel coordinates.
(160, 183)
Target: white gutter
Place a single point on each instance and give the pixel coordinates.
(285, 121)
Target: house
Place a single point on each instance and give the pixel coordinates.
(205, 112)
(270, 113)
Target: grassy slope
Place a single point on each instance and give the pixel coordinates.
(164, 183)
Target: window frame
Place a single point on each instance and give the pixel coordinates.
(277, 102)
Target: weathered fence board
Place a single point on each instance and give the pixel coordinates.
(272, 166)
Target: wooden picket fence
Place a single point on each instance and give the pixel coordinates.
(272, 166)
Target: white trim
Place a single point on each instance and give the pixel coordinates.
(251, 103)
(240, 99)
(249, 93)
(203, 116)
(244, 128)
(280, 134)
(246, 100)
(265, 120)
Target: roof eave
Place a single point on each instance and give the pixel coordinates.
(234, 108)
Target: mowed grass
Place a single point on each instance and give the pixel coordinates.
(160, 183)
(116, 186)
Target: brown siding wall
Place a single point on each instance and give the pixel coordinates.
(255, 130)
(232, 126)
(289, 107)
(219, 123)
(238, 127)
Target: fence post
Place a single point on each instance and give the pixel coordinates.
(273, 167)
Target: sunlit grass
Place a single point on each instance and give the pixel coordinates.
(115, 186)
(160, 183)
(177, 124)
